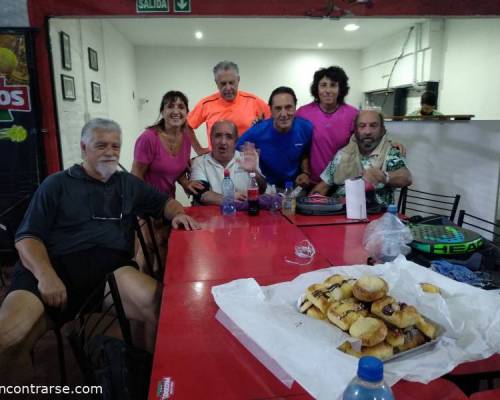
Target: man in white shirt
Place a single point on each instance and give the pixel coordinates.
(209, 168)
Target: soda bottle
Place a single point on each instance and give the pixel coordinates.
(253, 195)
(369, 383)
(228, 206)
(288, 205)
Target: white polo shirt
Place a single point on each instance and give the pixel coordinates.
(206, 168)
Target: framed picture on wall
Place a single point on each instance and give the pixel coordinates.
(68, 87)
(93, 62)
(65, 50)
(96, 92)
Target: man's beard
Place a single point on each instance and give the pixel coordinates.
(106, 169)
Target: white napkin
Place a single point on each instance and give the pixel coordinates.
(355, 198)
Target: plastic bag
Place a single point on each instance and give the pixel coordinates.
(386, 238)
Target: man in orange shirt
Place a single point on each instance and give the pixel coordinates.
(229, 103)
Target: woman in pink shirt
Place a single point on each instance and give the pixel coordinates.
(162, 153)
(332, 118)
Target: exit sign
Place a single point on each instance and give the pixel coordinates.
(182, 6)
(151, 6)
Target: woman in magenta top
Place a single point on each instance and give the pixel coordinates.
(332, 119)
(163, 150)
(161, 158)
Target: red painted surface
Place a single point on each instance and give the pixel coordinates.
(340, 244)
(490, 364)
(439, 389)
(40, 10)
(313, 220)
(486, 395)
(235, 247)
(198, 355)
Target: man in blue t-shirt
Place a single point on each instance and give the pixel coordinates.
(283, 141)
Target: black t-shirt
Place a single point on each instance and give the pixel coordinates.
(72, 211)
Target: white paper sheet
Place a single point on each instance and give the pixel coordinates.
(355, 199)
(306, 348)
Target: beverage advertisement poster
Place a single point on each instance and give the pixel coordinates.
(19, 154)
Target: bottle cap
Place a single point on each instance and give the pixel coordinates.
(370, 369)
(392, 208)
(226, 173)
(288, 184)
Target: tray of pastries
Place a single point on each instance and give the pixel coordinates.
(379, 325)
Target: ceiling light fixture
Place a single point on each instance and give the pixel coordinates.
(198, 35)
(351, 27)
(320, 44)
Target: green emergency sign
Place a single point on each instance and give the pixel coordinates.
(151, 6)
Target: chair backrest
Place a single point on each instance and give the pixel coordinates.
(150, 255)
(480, 224)
(427, 203)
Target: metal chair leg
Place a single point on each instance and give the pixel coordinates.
(61, 356)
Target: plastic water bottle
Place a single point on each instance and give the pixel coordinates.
(253, 195)
(369, 383)
(228, 207)
(288, 204)
(275, 199)
(391, 245)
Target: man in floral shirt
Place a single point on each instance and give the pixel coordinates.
(369, 155)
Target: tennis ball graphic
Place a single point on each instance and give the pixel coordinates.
(8, 61)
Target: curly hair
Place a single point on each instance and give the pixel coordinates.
(334, 73)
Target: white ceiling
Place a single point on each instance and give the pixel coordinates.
(283, 33)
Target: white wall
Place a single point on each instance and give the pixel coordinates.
(119, 66)
(470, 79)
(454, 157)
(116, 76)
(421, 59)
(71, 114)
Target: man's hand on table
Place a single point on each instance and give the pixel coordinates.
(184, 220)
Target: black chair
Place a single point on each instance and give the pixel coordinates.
(115, 364)
(470, 220)
(426, 203)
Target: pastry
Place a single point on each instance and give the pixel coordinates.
(395, 336)
(338, 287)
(344, 313)
(430, 288)
(369, 288)
(426, 327)
(382, 350)
(413, 338)
(308, 308)
(401, 315)
(316, 294)
(370, 331)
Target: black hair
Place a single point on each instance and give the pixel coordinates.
(429, 98)
(168, 97)
(282, 90)
(334, 73)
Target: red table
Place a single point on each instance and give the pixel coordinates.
(195, 356)
(312, 220)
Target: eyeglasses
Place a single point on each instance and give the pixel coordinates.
(95, 218)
